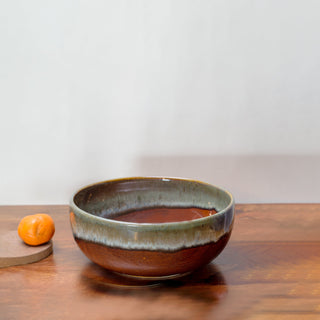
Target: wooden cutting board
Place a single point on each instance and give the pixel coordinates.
(13, 251)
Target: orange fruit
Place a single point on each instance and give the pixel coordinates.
(36, 229)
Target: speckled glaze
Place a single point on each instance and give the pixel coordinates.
(145, 249)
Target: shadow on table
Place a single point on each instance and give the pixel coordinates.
(206, 285)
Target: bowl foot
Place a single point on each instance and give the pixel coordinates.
(154, 278)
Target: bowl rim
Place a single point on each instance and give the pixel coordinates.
(159, 226)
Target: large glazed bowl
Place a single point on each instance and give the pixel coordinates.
(152, 227)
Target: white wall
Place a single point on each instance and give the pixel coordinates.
(223, 91)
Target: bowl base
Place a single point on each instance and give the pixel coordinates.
(154, 278)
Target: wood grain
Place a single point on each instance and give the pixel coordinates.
(269, 270)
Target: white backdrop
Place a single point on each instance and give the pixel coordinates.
(223, 91)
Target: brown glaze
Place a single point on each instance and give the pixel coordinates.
(164, 215)
(138, 223)
(152, 263)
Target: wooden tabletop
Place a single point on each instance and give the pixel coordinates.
(269, 270)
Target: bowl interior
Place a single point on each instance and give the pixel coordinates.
(110, 199)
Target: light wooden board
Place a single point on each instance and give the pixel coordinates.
(13, 251)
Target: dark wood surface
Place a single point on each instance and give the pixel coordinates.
(269, 270)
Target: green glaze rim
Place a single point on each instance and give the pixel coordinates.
(153, 226)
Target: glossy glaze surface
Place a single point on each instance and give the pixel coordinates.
(164, 215)
(146, 263)
(128, 247)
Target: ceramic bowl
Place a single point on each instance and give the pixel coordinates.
(152, 227)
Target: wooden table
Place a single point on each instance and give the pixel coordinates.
(269, 270)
